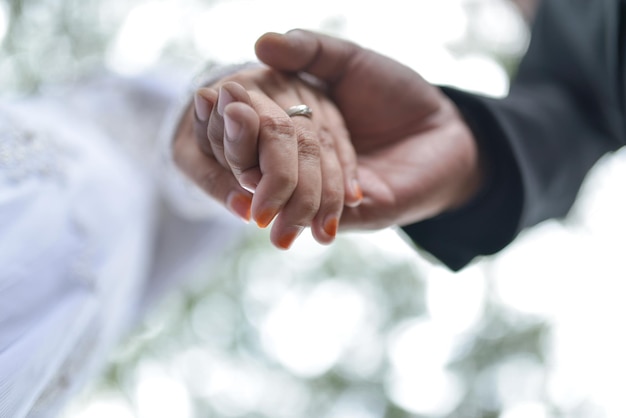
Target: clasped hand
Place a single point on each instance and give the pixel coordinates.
(382, 147)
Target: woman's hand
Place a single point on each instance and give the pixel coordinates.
(239, 145)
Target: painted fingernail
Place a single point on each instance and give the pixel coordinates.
(240, 205)
(330, 226)
(288, 237)
(264, 218)
(233, 129)
(357, 193)
(202, 107)
(224, 99)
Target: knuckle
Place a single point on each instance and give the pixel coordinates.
(326, 141)
(307, 208)
(308, 145)
(286, 180)
(333, 194)
(279, 126)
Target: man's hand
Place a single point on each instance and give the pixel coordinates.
(416, 156)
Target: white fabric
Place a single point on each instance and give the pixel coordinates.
(86, 241)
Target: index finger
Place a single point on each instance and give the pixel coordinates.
(278, 160)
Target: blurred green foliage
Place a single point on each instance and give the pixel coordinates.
(397, 287)
(49, 41)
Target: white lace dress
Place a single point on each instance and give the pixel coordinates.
(87, 236)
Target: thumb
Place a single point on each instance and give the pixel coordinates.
(322, 56)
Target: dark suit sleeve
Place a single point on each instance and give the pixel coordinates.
(564, 111)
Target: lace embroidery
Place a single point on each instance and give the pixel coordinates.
(25, 154)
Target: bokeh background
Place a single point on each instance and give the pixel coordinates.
(368, 327)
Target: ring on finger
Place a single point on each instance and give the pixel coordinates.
(300, 110)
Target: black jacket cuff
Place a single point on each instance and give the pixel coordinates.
(490, 220)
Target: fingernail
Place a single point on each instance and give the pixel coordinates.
(264, 218)
(240, 205)
(357, 193)
(249, 180)
(330, 226)
(233, 129)
(224, 99)
(202, 107)
(297, 34)
(288, 237)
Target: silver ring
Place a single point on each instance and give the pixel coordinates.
(300, 110)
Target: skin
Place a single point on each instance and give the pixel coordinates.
(415, 155)
(238, 144)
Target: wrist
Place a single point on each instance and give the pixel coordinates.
(471, 171)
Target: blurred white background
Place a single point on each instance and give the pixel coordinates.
(367, 327)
